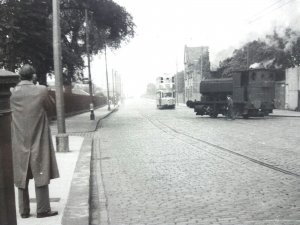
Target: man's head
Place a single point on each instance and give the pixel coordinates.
(26, 72)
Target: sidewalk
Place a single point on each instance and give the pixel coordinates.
(69, 194)
(285, 113)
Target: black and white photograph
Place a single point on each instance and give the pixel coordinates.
(139, 112)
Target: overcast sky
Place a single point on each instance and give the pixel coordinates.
(164, 27)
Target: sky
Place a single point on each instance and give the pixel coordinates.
(164, 27)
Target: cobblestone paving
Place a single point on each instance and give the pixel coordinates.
(272, 139)
(153, 175)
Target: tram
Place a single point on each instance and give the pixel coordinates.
(165, 93)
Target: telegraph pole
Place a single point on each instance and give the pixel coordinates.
(87, 31)
(248, 61)
(176, 82)
(116, 87)
(108, 103)
(62, 139)
(113, 86)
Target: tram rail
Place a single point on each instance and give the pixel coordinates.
(159, 125)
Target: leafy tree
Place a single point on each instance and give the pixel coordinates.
(26, 32)
(25, 36)
(276, 51)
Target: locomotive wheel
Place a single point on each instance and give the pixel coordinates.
(213, 115)
(245, 116)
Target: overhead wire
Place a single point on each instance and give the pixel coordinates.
(266, 8)
(267, 12)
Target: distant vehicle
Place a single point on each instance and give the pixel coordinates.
(252, 91)
(165, 92)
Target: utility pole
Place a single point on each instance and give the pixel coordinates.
(117, 87)
(248, 57)
(87, 31)
(107, 84)
(202, 77)
(185, 79)
(176, 82)
(121, 90)
(62, 139)
(113, 86)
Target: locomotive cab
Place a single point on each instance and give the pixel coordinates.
(253, 92)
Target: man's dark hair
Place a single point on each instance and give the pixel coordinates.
(26, 72)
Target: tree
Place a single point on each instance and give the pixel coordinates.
(276, 51)
(25, 36)
(26, 32)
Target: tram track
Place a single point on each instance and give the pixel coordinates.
(176, 133)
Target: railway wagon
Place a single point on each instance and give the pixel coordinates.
(252, 91)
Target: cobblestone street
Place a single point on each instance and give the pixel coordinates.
(171, 167)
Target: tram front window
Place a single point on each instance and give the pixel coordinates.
(167, 95)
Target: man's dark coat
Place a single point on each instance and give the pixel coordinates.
(31, 138)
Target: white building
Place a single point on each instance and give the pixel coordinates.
(292, 89)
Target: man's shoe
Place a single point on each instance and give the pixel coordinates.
(25, 215)
(46, 214)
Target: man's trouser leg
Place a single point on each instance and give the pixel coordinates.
(42, 199)
(23, 196)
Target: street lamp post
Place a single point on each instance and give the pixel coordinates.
(113, 86)
(87, 31)
(62, 139)
(107, 84)
(176, 82)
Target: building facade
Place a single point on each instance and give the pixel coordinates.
(292, 89)
(196, 68)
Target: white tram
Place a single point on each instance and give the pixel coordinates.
(165, 93)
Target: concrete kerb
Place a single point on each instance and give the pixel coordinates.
(284, 116)
(105, 116)
(94, 128)
(77, 210)
(284, 113)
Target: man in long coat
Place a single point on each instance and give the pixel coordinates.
(33, 152)
(230, 109)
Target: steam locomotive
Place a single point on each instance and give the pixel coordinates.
(252, 91)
